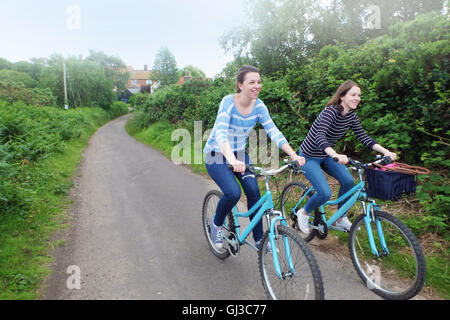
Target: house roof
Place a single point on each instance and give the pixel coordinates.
(140, 75)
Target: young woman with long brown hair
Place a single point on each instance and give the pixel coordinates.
(318, 149)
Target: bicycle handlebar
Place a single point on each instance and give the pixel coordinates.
(293, 165)
(358, 165)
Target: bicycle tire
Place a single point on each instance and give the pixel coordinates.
(290, 196)
(307, 277)
(208, 211)
(399, 275)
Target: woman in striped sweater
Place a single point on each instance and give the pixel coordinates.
(238, 114)
(318, 148)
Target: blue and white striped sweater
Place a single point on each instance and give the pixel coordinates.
(235, 128)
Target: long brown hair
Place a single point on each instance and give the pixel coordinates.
(241, 75)
(341, 91)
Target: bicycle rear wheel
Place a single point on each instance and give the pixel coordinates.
(396, 274)
(290, 197)
(209, 210)
(303, 282)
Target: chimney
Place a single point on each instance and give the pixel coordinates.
(145, 67)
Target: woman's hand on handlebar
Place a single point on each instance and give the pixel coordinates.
(341, 158)
(301, 160)
(391, 155)
(238, 166)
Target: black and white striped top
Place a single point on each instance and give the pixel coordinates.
(328, 128)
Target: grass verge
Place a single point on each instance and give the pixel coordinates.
(25, 259)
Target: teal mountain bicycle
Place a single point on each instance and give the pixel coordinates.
(383, 250)
(287, 265)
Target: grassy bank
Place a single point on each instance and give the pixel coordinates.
(158, 135)
(25, 241)
(37, 175)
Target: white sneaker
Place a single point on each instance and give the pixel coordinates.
(344, 224)
(303, 221)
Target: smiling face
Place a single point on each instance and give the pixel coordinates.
(351, 99)
(251, 86)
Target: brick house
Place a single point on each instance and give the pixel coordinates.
(141, 79)
(184, 79)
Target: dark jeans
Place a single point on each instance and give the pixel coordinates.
(226, 180)
(313, 171)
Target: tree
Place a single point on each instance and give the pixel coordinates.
(87, 83)
(114, 67)
(5, 64)
(19, 77)
(231, 68)
(196, 73)
(279, 34)
(276, 34)
(165, 67)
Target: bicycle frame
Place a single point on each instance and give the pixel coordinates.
(265, 205)
(356, 193)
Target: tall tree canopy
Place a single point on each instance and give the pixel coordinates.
(282, 33)
(165, 66)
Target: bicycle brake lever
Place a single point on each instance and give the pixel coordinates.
(295, 166)
(386, 160)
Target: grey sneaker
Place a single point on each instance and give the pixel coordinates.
(216, 235)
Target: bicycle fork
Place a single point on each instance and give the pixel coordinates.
(368, 219)
(273, 235)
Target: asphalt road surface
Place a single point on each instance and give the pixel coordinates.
(135, 233)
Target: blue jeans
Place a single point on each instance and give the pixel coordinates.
(226, 180)
(313, 171)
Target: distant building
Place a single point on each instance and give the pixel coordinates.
(183, 79)
(141, 80)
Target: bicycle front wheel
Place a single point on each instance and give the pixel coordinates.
(399, 270)
(300, 277)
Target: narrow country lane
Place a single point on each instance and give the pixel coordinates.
(136, 233)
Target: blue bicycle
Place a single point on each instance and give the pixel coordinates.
(287, 265)
(384, 251)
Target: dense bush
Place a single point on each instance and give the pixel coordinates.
(15, 76)
(11, 91)
(118, 109)
(404, 84)
(171, 102)
(29, 135)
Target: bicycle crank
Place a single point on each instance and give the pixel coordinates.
(321, 229)
(233, 244)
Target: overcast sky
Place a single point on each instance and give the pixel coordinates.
(131, 30)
